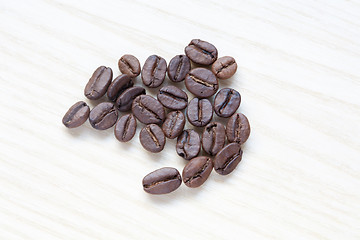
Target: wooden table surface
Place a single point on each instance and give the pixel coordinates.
(299, 78)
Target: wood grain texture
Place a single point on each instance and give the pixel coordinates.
(299, 78)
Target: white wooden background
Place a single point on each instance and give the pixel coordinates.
(299, 77)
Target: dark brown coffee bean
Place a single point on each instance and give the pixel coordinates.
(224, 67)
(118, 86)
(199, 112)
(226, 102)
(148, 110)
(213, 138)
(154, 71)
(130, 65)
(98, 83)
(228, 158)
(125, 100)
(178, 67)
(173, 124)
(161, 181)
(197, 171)
(201, 82)
(125, 128)
(76, 115)
(103, 116)
(238, 128)
(152, 138)
(201, 52)
(188, 144)
(172, 97)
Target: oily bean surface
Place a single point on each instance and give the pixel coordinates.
(76, 115)
(173, 124)
(148, 110)
(125, 128)
(224, 67)
(188, 144)
(125, 100)
(152, 138)
(178, 67)
(201, 82)
(118, 86)
(103, 116)
(201, 52)
(213, 138)
(228, 158)
(197, 171)
(130, 65)
(162, 181)
(226, 102)
(172, 97)
(154, 71)
(199, 112)
(98, 83)
(238, 128)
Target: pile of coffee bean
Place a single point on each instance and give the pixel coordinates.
(202, 81)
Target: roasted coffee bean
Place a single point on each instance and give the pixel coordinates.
(213, 138)
(226, 102)
(152, 138)
(118, 86)
(224, 67)
(103, 116)
(238, 128)
(178, 67)
(201, 82)
(125, 100)
(125, 128)
(161, 181)
(148, 110)
(172, 97)
(188, 144)
(76, 115)
(98, 83)
(197, 171)
(228, 158)
(199, 112)
(130, 65)
(173, 124)
(201, 52)
(154, 71)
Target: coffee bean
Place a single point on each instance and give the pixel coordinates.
(197, 171)
(130, 65)
(161, 181)
(224, 67)
(125, 128)
(226, 102)
(172, 97)
(228, 158)
(213, 138)
(173, 124)
(201, 82)
(76, 115)
(152, 138)
(178, 67)
(98, 83)
(125, 100)
(103, 116)
(201, 52)
(154, 71)
(118, 86)
(188, 144)
(199, 112)
(148, 110)
(238, 128)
